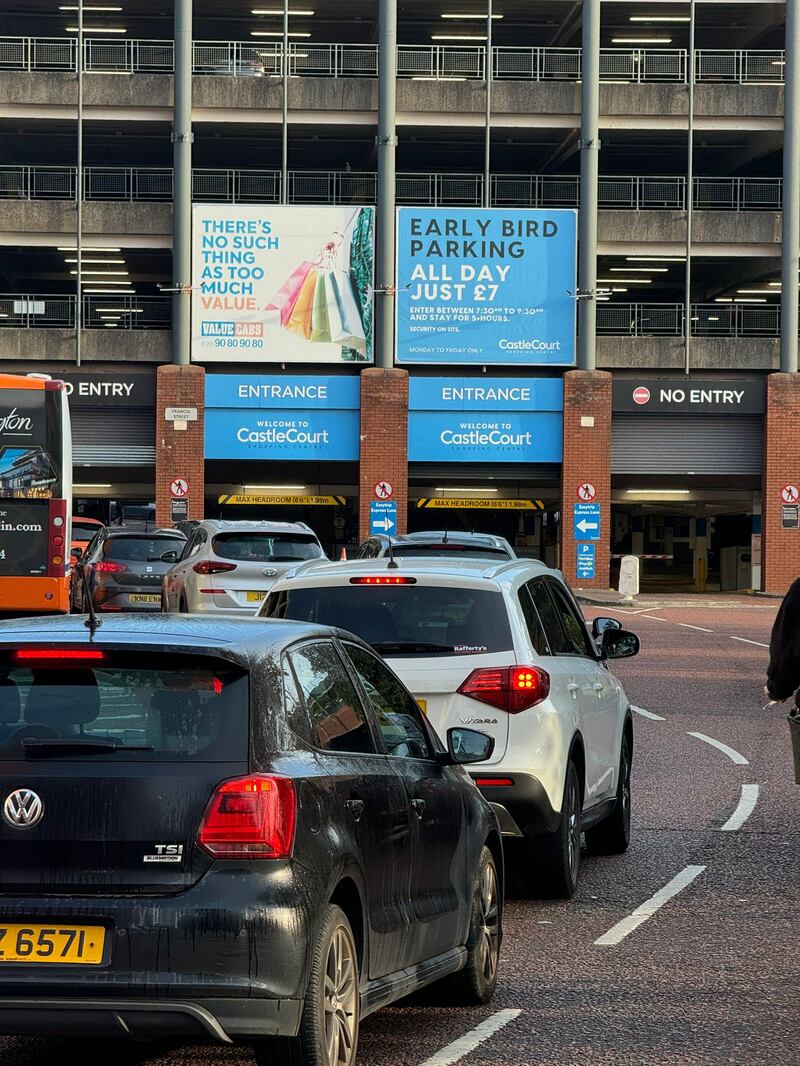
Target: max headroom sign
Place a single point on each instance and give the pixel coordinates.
(690, 395)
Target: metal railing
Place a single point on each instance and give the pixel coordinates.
(708, 320)
(99, 312)
(326, 187)
(426, 62)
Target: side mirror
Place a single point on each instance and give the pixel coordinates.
(600, 625)
(468, 746)
(619, 644)
(77, 552)
(170, 556)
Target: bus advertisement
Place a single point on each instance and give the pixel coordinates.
(35, 495)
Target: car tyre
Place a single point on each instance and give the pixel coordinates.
(613, 835)
(331, 1013)
(557, 856)
(476, 983)
(184, 606)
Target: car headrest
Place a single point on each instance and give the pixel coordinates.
(10, 703)
(63, 698)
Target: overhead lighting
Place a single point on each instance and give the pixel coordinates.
(641, 40)
(658, 492)
(110, 318)
(87, 7)
(422, 77)
(456, 37)
(776, 284)
(757, 292)
(723, 299)
(659, 18)
(279, 11)
(124, 310)
(107, 262)
(85, 248)
(602, 299)
(616, 289)
(477, 18)
(713, 318)
(628, 270)
(103, 273)
(456, 488)
(278, 488)
(748, 300)
(92, 485)
(97, 29)
(276, 33)
(655, 258)
(630, 281)
(779, 62)
(108, 292)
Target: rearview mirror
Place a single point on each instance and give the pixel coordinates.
(170, 556)
(618, 644)
(468, 746)
(600, 625)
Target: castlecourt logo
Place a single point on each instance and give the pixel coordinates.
(534, 345)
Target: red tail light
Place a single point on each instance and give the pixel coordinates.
(250, 818)
(57, 522)
(493, 782)
(383, 580)
(106, 566)
(29, 655)
(208, 566)
(511, 688)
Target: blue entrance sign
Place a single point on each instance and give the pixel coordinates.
(486, 286)
(382, 517)
(585, 563)
(508, 420)
(586, 521)
(282, 417)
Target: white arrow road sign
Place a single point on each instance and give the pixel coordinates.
(583, 525)
(385, 524)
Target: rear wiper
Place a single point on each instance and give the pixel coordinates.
(39, 748)
(409, 646)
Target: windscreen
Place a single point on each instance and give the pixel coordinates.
(181, 712)
(266, 547)
(405, 619)
(452, 549)
(83, 530)
(139, 549)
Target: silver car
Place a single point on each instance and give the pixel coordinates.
(228, 567)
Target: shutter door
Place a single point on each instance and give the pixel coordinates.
(696, 444)
(116, 436)
(444, 473)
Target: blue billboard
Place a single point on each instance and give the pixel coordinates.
(506, 420)
(489, 286)
(282, 417)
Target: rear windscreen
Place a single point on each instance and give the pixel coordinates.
(266, 547)
(459, 551)
(140, 549)
(181, 712)
(404, 620)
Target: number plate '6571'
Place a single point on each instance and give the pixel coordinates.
(65, 944)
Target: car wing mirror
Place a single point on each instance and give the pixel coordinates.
(170, 557)
(77, 552)
(466, 746)
(619, 644)
(600, 625)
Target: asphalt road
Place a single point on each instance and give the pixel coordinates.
(712, 976)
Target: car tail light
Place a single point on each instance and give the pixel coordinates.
(493, 782)
(57, 521)
(208, 566)
(107, 566)
(32, 655)
(383, 580)
(511, 688)
(250, 818)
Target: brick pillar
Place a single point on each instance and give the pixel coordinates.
(384, 440)
(587, 458)
(780, 548)
(180, 453)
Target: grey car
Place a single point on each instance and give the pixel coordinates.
(124, 569)
(228, 567)
(438, 543)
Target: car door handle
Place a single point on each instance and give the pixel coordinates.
(418, 806)
(598, 686)
(354, 807)
(574, 689)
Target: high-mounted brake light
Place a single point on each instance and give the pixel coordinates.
(383, 579)
(511, 688)
(208, 566)
(33, 655)
(250, 818)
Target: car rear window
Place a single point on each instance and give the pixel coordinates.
(181, 712)
(461, 551)
(84, 529)
(266, 547)
(416, 620)
(139, 549)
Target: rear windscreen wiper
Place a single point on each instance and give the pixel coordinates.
(39, 748)
(410, 646)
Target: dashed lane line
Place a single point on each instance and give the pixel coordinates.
(746, 806)
(467, 1043)
(732, 753)
(650, 907)
(647, 714)
(700, 629)
(744, 640)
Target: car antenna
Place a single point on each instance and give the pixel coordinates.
(444, 538)
(392, 564)
(92, 623)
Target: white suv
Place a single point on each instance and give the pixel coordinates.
(501, 647)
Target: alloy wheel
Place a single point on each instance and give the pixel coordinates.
(489, 945)
(573, 829)
(340, 1000)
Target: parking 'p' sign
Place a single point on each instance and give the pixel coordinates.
(790, 494)
(179, 488)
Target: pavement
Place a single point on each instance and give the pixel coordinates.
(685, 950)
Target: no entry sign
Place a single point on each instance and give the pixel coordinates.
(179, 488)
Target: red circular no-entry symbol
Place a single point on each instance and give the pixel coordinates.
(790, 494)
(179, 488)
(384, 490)
(586, 491)
(641, 394)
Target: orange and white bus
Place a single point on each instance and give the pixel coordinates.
(35, 495)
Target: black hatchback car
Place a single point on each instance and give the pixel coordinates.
(124, 569)
(228, 830)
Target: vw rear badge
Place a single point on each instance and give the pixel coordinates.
(23, 809)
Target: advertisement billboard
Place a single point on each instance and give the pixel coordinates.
(282, 284)
(484, 420)
(286, 417)
(487, 286)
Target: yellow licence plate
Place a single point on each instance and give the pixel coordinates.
(255, 597)
(423, 704)
(136, 597)
(81, 945)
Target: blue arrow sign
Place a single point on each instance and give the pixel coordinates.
(585, 562)
(586, 521)
(382, 516)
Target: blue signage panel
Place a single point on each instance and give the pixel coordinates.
(486, 394)
(585, 562)
(282, 391)
(382, 517)
(486, 286)
(586, 521)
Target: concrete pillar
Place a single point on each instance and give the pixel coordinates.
(587, 458)
(180, 452)
(755, 544)
(384, 440)
(637, 542)
(780, 547)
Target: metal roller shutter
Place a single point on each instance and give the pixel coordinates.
(692, 444)
(118, 436)
(540, 473)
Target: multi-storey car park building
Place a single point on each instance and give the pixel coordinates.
(684, 477)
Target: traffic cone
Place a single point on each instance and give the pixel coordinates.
(343, 555)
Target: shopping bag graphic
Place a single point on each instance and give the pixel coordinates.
(320, 325)
(286, 296)
(344, 316)
(300, 317)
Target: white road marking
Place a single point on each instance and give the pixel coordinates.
(467, 1043)
(637, 610)
(699, 629)
(658, 618)
(647, 909)
(744, 640)
(732, 753)
(747, 804)
(647, 714)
